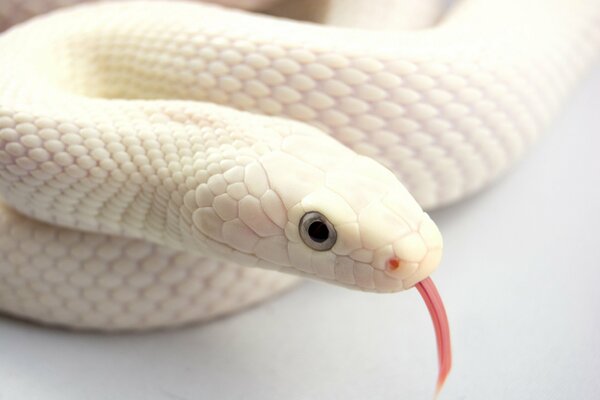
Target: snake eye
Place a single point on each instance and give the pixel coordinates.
(317, 232)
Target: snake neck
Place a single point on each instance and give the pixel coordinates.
(102, 178)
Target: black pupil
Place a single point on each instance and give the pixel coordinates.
(318, 231)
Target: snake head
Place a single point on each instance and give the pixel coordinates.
(349, 219)
(308, 205)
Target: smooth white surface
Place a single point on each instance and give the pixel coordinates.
(523, 301)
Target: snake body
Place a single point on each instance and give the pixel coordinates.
(149, 158)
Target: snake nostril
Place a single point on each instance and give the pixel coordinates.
(393, 263)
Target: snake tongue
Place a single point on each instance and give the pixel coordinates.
(442, 330)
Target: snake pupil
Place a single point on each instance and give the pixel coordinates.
(318, 231)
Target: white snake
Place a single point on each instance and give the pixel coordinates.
(129, 183)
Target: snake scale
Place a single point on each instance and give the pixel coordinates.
(151, 153)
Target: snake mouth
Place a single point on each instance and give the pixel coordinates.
(437, 311)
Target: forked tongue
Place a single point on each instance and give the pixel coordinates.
(442, 331)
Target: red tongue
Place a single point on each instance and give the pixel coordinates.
(442, 331)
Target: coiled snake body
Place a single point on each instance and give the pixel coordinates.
(133, 155)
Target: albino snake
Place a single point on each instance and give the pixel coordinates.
(129, 183)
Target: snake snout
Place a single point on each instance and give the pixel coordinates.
(416, 255)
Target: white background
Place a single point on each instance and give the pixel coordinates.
(520, 279)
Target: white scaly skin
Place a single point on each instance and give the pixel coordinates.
(446, 109)
(14, 11)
